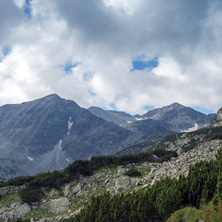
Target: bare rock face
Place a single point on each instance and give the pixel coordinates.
(122, 183)
(56, 205)
(15, 210)
(174, 117)
(59, 205)
(39, 136)
(219, 115)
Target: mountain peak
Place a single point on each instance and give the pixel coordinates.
(176, 104)
(51, 97)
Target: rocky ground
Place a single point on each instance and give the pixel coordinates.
(59, 204)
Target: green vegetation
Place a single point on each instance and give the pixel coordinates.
(133, 172)
(208, 132)
(144, 170)
(135, 148)
(158, 202)
(211, 213)
(33, 192)
(38, 213)
(193, 138)
(207, 213)
(187, 214)
(189, 146)
(217, 135)
(9, 199)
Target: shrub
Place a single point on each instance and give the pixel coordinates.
(133, 172)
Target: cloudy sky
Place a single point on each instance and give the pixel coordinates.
(128, 55)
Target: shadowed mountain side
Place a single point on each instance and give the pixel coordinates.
(175, 117)
(51, 132)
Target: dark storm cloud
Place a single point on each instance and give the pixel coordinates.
(10, 17)
(105, 37)
(90, 17)
(153, 24)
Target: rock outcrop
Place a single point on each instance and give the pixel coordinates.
(75, 195)
(14, 211)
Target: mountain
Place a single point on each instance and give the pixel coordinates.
(156, 123)
(153, 185)
(51, 132)
(116, 117)
(175, 117)
(180, 118)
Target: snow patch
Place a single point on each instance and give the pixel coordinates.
(138, 119)
(60, 144)
(70, 123)
(30, 158)
(67, 160)
(196, 127)
(129, 121)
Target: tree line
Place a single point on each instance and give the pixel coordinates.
(32, 191)
(157, 203)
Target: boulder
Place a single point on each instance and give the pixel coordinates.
(58, 205)
(121, 170)
(77, 188)
(154, 158)
(15, 210)
(121, 184)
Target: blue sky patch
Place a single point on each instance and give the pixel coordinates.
(5, 51)
(68, 66)
(27, 9)
(140, 64)
(148, 108)
(113, 106)
(91, 93)
(203, 110)
(87, 76)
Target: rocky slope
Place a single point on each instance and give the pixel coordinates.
(72, 197)
(156, 123)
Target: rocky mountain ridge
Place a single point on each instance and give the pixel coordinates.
(175, 117)
(49, 133)
(72, 197)
(68, 200)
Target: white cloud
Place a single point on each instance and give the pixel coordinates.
(19, 3)
(103, 37)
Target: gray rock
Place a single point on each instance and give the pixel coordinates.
(59, 205)
(154, 158)
(122, 183)
(5, 190)
(15, 210)
(77, 188)
(66, 189)
(121, 170)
